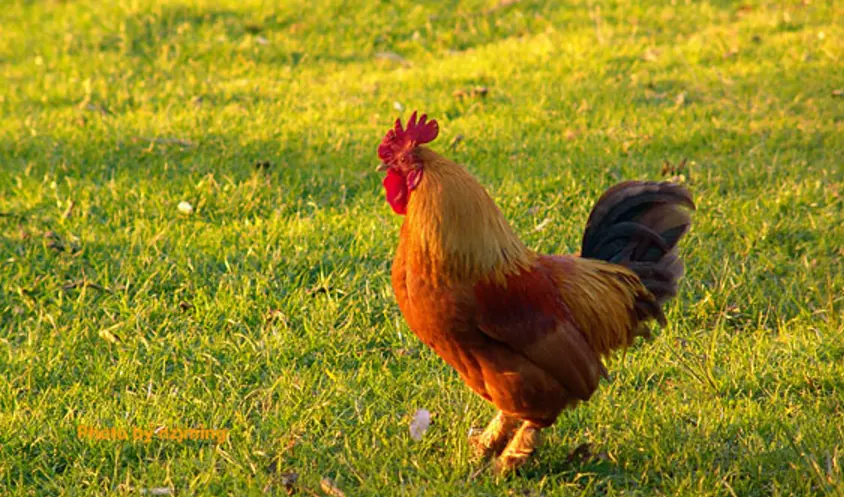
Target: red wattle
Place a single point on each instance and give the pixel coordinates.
(396, 188)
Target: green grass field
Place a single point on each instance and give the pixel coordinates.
(267, 311)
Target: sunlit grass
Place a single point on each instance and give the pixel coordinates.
(268, 310)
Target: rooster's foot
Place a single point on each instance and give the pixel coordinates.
(495, 437)
(519, 450)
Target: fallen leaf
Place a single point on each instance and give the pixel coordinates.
(541, 226)
(54, 241)
(85, 284)
(524, 492)
(157, 491)
(651, 55)
(108, 336)
(69, 211)
(744, 9)
(583, 107)
(95, 108)
(320, 289)
(329, 487)
(454, 142)
(669, 169)
(480, 91)
(260, 40)
(392, 57)
(165, 141)
(252, 27)
(583, 452)
(419, 425)
(275, 315)
(287, 479)
(502, 4)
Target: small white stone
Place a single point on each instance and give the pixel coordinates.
(185, 207)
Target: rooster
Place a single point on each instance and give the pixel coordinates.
(527, 332)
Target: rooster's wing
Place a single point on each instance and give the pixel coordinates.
(527, 313)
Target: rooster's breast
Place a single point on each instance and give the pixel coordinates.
(441, 314)
(444, 315)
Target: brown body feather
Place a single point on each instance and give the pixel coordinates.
(526, 331)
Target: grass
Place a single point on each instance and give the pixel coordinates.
(268, 311)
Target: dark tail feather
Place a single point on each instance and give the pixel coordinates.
(638, 224)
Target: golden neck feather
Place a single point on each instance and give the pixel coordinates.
(454, 229)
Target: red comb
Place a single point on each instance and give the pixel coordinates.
(400, 140)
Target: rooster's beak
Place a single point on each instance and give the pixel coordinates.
(382, 167)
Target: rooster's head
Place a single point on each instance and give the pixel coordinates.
(399, 160)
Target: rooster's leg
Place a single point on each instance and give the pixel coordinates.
(519, 449)
(495, 437)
